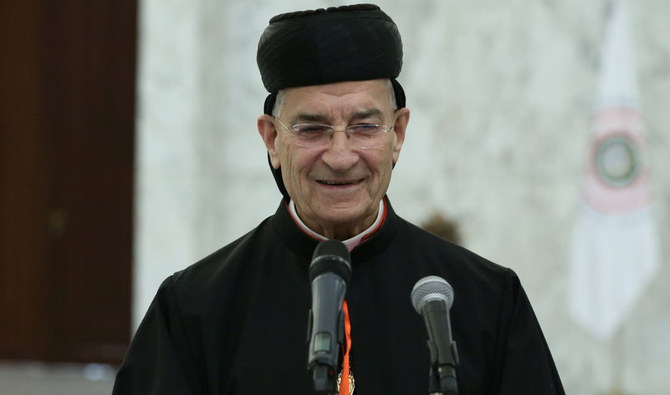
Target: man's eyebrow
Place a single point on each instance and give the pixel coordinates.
(322, 118)
(370, 113)
(311, 118)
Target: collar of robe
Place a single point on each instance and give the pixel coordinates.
(303, 244)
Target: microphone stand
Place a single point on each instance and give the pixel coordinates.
(325, 380)
(322, 370)
(442, 378)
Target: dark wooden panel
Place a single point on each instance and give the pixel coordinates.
(77, 134)
(23, 198)
(91, 51)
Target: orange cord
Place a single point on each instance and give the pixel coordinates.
(344, 383)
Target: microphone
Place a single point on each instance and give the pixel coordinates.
(432, 297)
(329, 274)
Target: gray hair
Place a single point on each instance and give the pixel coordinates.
(279, 101)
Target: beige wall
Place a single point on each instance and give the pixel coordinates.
(501, 94)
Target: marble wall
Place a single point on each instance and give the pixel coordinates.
(501, 94)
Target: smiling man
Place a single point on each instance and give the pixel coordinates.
(334, 124)
(336, 181)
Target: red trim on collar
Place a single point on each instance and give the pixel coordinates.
(379, 225)
(297, 223)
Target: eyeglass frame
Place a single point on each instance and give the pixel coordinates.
(330, 129)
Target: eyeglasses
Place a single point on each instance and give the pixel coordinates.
(361, 135)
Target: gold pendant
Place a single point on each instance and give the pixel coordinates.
(351, 382)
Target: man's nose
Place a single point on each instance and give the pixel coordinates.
(340, 153)
(340, 138)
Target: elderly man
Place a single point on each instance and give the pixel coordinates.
(334, 125)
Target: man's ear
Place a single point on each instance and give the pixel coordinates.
(268, 132)
(399, 127)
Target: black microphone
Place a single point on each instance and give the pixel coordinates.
(432, 297)
(329, 274)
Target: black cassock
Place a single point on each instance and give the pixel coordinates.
(236, 322)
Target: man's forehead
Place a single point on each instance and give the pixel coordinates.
(353, 95)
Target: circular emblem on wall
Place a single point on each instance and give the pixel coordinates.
(617, 161)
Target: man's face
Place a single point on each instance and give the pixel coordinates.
(336, 187)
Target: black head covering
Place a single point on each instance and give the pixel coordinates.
(316, 47)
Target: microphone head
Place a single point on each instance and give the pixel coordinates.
(431, 288)
(331, 256)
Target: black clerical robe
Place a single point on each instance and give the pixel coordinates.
(236, 322)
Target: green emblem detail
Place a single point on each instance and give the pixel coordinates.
(617, 161)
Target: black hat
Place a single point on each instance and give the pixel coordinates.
(348, 43)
